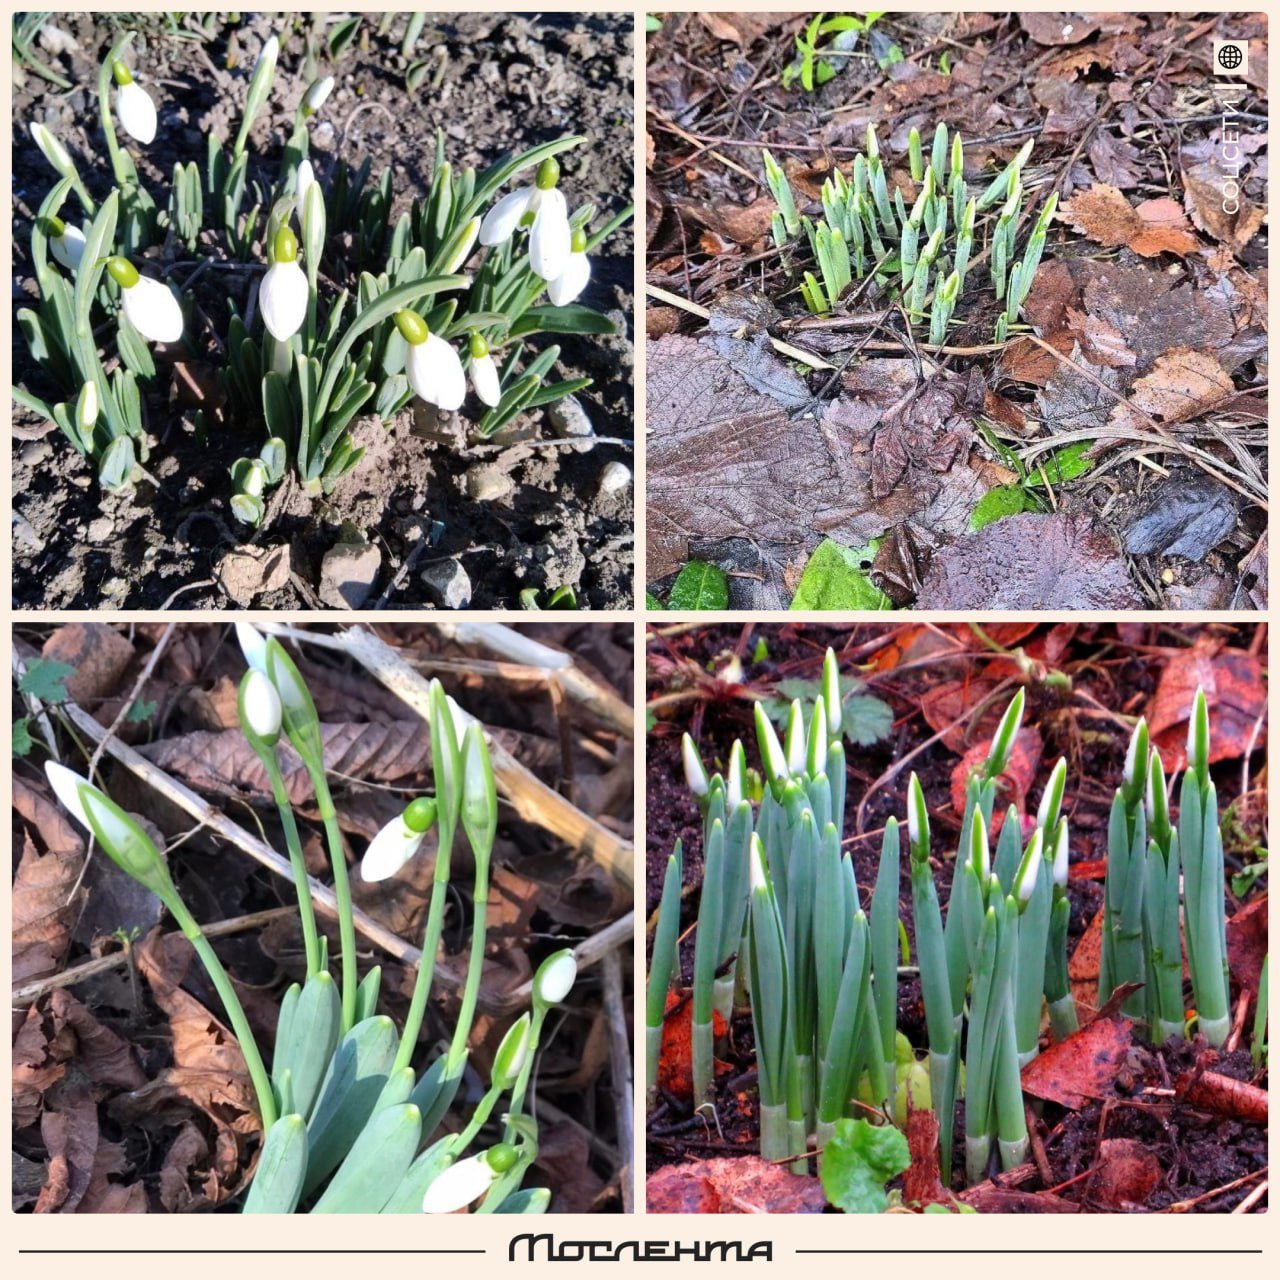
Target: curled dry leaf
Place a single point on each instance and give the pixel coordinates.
(1205, 199)
(741, 1184)
(99, 654)
(1155, 226)
(1016, 780)
(1081, 1067)
(1182, 385)
(1126, 1174)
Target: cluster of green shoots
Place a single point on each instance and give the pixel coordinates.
(922, 253)
(348, 1122)
(781, 926)
(441, 301)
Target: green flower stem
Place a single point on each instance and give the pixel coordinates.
(475, 967)
(341, 890)
(301, 882)
(231, 1003)
(121, 164)
(484, 1108)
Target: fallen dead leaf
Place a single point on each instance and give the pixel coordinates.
(1081, 1067)
(1182, 385)
(1126, 1174)
(1224, 1096)
(99, 654)
(1155, 226)
(741, 1184)
(1015, 781)
(1247, 944)
(1203, 195)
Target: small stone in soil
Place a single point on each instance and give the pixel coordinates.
(37, 452)
(487, 483)
(569, 421)
(448, 583)
(101, 529)
(348, 574)
(615, 478)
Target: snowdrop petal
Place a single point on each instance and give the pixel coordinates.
(550, 241)
(66, 784)
(136, 111)
(306, 179)
(253, 646)
(458, 1186)
(68, 248)
(153, 310)
(555, 977)
(566, 287)
(436, 374)
(283, 300)
(261, 706)
(389, 850)
(484, 377)
(501, 221)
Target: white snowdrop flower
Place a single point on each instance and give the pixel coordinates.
(1137, 740)
(260, 706)
(87, 408)
(267, 58)
(134, 106)
(66, 243)
(253, 646)
(1024, 883)
(544, 210)
(283, 294)
(484, 373)
(566, 287)
(555, 977)
(316, 95)
(1061, 855)
(398, 841)
(695, 773)
(434, 369)
(459, 1185)
(148, 304)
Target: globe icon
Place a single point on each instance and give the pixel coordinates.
(1230, 57)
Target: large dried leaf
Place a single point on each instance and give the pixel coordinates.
(742, 1184)
(1186, 515)
(1083, 1066)
(1232, 222)
(69, 1130)
(1182, 385)
(99, 654)
(43, 911)
(1030, 562)
(1155, 226)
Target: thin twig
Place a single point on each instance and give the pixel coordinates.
(620, 1073)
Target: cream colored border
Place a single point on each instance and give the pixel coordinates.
(1048, 1244)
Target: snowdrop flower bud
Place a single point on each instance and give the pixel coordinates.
(252, 645)
(284, 292)
(260, 710)
(134, 106)
(509, 1060)
(124, 841)
(65, 243)
(555, 977)
(917, 820)
(1024, 883)
(1198, 737)
(87, 409)
(736, 781)
(1061, 854)
(148, 305)
(398, 841)
(566, 287)
(1135, 759)
(306, 180)
(484, 373)
(759, 881)
(695, 773)
(255, 480)
(316, 96)
(468, 242)
(435, 372)
(831, 699)
(52, 150)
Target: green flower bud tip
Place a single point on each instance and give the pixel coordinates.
(121, 73)
(123, 272)
(578, 242)
(420, 816)
(54, 227)
(286, 245)
(548, 174)
(502, 1157)
(412, 326)
(479, 347)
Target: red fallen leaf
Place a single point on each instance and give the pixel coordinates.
(1247, 945)
(1211, 1091)
(943, 706)
(733, 1184)
(921, 1183)
(1233, 684)
(1095, 869)
(675, 1062)
(1015, 781)
(1082, 968)
(1127, 1172)
(1082, 1066)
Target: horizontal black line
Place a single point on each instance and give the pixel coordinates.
(1036, 1251)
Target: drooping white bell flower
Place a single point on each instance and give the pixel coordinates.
(284, 291)
(66, 243)
(566, 287)
(398, 841)
(434, 369)
(543, 209)
(459, 1185)
(148, 304)
(134, 106)
(316, 95)
(484, 373)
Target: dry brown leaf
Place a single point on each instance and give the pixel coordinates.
(99, 654)
(739, 1184)
(43, 911)
(1227, 216)
(69, 1129)
(1156, 226)
(1181, 385)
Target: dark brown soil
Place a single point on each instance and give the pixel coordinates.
(1108, 668)
(502, 82)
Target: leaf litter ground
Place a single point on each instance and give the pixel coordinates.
(1097, 1097)
(130, 1095)
(1120, 432)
